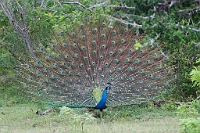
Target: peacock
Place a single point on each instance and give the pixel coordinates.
(95, 64)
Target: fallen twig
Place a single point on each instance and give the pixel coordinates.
(44, 112)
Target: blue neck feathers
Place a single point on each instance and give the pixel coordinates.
(102, 103)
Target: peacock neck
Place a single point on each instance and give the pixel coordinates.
(104, 95)
(102, 102)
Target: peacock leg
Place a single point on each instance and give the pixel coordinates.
(101, 116)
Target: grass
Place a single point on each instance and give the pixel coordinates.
(21, 118)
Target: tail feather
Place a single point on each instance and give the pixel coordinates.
(88, 56)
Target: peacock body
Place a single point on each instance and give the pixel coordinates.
(97, 63)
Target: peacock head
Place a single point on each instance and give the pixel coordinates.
(109, 86)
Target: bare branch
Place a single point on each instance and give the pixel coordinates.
(20, 28)
(152, 40)
(122, 7)
(76, 3)
(177, 25)
(189, 10)
(183, 27)
(44, 112)
(133, 15)
(172, 3)
(122, 21)
(97, 5)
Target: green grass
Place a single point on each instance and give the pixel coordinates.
(21, 118)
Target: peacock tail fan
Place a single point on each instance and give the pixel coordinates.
(75, 65)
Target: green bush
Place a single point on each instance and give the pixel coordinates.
(186, 110)
(190, 114)
(190, 125)
(195, 76)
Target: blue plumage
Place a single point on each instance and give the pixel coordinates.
(102, 103)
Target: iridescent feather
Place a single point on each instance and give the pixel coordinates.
(79, 62)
